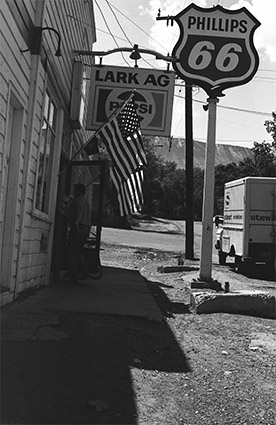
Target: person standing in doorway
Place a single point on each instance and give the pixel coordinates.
(80, 222)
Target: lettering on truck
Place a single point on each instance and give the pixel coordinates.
(262, 217)
(236, 216)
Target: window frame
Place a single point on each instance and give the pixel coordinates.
(42, 206)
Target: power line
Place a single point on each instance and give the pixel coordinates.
(122, 29)
(265, 78)
(118, 22)
(230, 107)
(107, 26)
(235, 140)
(245, 110)
(134, 23)
(116, 36)
(93, 26)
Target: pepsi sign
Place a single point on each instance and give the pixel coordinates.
(111, 86)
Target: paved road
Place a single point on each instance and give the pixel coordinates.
(134, 238)
(259, 276)
(155, 240)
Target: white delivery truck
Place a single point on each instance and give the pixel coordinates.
(248, 232)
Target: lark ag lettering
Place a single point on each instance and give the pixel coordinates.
(132, 78)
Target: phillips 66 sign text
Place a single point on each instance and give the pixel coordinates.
(215, 49)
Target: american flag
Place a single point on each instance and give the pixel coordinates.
(122, 138)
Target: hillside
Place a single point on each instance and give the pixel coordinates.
(225, 154)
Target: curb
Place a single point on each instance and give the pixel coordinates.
(253, 303)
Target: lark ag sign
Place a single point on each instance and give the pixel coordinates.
(215, 48)
(110, 86)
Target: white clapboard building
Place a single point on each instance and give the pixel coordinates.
(41, 127)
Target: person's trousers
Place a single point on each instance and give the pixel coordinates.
(77, 238)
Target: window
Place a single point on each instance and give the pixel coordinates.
(45, 158)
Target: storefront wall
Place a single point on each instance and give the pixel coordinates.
(35, 100)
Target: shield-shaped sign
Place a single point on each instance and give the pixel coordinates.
(215, 48)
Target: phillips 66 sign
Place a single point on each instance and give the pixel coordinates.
(215, 48)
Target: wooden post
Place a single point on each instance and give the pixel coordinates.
(189, 236)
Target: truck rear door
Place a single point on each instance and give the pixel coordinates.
(262, 220)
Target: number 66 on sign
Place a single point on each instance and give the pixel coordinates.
(215, 49)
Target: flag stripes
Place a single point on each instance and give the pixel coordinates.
(123, 140)
(130, 195)
(127, 154)
(114, 142)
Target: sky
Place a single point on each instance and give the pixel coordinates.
(244, 109)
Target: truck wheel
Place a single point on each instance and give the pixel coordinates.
(238, 265)
(222, 257)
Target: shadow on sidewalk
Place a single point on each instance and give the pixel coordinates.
(167, 307)
(87, 377)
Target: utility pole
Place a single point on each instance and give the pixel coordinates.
(189, 236)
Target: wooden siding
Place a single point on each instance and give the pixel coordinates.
(33, 232)
(76, 29)
(23, 13)
(14, 94)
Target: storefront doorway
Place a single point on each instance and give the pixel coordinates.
(92, 175)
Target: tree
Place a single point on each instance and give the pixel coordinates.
(152, 187)
(265, 152)
(164, 185)
(265, 159)
(174, 190)
(198, 192)
(271, 127)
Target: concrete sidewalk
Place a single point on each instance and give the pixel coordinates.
(120, 292)
(67, 351)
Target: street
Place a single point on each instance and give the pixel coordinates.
(171, 242)
(154, 239)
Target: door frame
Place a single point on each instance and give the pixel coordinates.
(13, 143)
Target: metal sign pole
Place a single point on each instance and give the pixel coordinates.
(208, 196)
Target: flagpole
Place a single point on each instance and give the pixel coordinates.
(113, 115)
